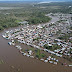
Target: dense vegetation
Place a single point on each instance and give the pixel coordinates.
(66, 37)
(34, 13)
(39, 55)
(8, 22)
(39, 18)
(52, 48)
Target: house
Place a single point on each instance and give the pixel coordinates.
(30, 52)
(45, 60)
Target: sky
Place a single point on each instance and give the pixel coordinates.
(35, 0)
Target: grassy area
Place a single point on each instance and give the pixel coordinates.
(17, 21)
(1, 62)
(36, 52)
(28, 49)
(39, 55)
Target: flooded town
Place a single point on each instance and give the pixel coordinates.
(43, 40)
(35, 36)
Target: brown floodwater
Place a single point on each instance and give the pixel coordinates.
(12, 57)
(15, 62)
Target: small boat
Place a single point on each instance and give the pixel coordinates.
(10, 43)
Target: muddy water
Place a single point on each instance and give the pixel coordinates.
(15, 62)
(12, 57)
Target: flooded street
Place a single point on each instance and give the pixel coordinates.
(16, 62)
